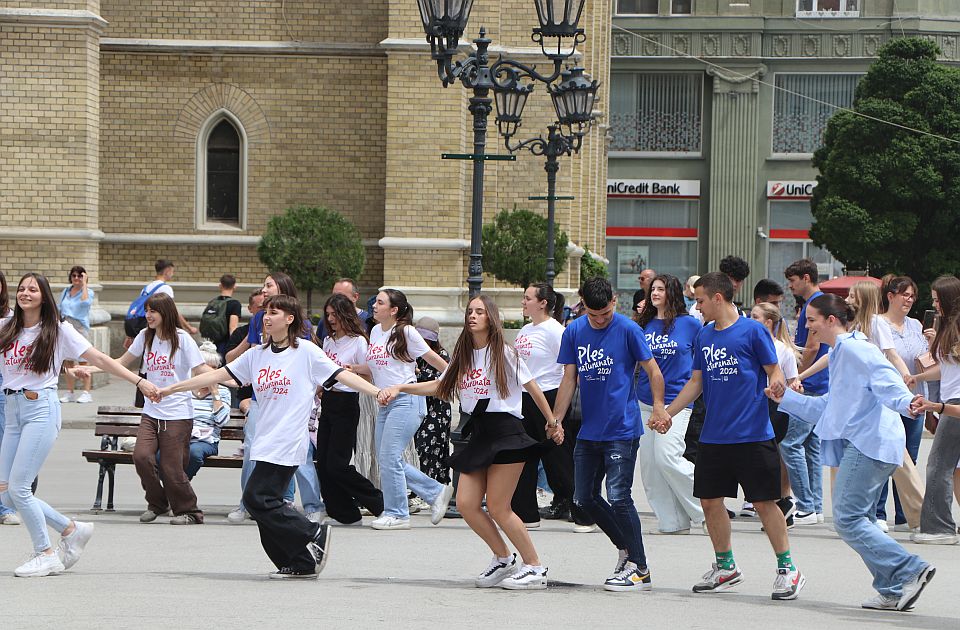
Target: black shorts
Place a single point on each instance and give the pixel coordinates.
(754, 466)
(779, 420)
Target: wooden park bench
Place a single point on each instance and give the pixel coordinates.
(115, 422)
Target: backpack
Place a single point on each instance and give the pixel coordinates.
(214, 323)
(136, 319)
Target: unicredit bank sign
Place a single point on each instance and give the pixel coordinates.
(653, 188)
(790, 190)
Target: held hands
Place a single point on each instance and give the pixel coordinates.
(919, 405)
(777, 398)
(79, 372)
(660, 421)
(555, 432)
(151, 391)
(387, 394)
(796, 386)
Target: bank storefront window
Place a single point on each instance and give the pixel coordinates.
(650, 223)
(789, 224)
(799, 122)
(656, 112)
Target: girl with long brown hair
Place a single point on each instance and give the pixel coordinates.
(937, 525)
(285, 371)
(342, 486)
(395, 345)
(169, 354)
(34, 342)
(488, 377)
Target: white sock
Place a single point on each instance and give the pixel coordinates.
(506, 560)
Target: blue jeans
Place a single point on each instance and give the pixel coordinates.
(199, 451)
(396, 424)
(800, 450)
(615, 460)
(854, 503)
(250, 430)
(31, 429)
(306, 477)
(914, 430)
(4, 510)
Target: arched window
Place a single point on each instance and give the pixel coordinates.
(221, 173)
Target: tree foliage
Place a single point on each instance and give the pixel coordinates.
(591, 267)
(515, 247)
(313, 245)
(889, 197)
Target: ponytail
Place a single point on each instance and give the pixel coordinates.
(829, 304)
(553, 299)
(397, 343)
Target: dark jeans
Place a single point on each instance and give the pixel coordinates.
(284, 532)
(914, 430)
(341, 486)
(166, 442)
(615, 460)
(557, 464)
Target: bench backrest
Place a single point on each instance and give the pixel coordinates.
(123, 421)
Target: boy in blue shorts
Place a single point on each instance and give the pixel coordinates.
(734, 358)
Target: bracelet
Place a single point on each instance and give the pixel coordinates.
(943, 406)
(138, 382)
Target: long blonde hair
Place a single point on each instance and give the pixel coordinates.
(781, 332)
(866, 304)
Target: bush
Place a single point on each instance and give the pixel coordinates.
(313, 245)
(515, 247)
(590, 267)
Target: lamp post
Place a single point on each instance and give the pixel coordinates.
(444, 22)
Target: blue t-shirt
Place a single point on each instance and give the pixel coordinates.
(673, 352)
(732, 361)
(819, 382)
(605, 361)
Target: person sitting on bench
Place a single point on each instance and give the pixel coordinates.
(211, 410)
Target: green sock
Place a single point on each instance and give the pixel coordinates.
(725, 560)
(785, 560)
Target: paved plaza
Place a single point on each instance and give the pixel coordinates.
(214, 575)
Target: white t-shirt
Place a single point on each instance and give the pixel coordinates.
(481, 383)
(345, 351)
(70, 344)
(538, 346)
(161, 371)
(285, 383)
(388, 370)
(880, 334)
(166, 288)
(949, 380)
(787, 359)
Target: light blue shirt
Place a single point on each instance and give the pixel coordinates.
(866, 398)
(74, 307)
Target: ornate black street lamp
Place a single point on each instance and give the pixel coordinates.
(444, 22)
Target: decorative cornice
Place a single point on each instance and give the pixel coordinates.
(238, 47)
(51, 234)
(66, 18)
(244, 240)
(396, 242)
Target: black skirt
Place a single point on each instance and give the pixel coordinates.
(494, 438)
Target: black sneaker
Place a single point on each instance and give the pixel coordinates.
(319, 547)
(286, 573)
(557, 511)
(788, 506)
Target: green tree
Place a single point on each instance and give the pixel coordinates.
(314, 245)
(515, 247)
(591, 267)
(888, 197)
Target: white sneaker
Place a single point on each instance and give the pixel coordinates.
(584, 529)
(84, 397)
(528, 578)
(67, 398)
(317, 517)
(934, 539)
(413, 505)
(905, 527)
(819, 517)
(10, 518)
(913, 588)
(882, 525)
(747, 510)
(70, 547)
(237, 516)
(533, 525)
(805, 518)
(881, 602)
(40, 565)
(497, 571)
(390, 522)
(544, 498)
(439, 507)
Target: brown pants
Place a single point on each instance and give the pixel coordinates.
(172, 439)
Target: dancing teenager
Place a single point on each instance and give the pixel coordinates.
(168, 354)
(735, 360)
(395, 345)
(861, 433)
(344, 489)
(667, 477)
(538, 344)
(34, 343)
(601, 351)
(487, 377)
(285, 372)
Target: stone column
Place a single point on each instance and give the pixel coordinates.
(734, 168)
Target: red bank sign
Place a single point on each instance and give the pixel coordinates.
(790, 190)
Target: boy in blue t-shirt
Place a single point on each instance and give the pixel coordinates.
(735, 358)
(601, 350)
